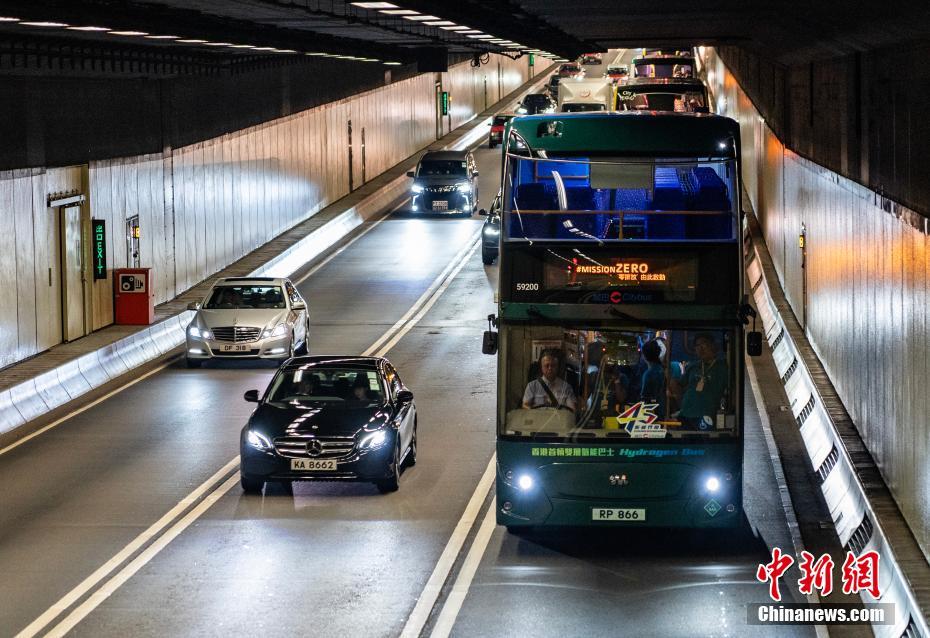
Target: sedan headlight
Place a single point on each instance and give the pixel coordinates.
(373, 440)
(521, 109)
(492, 231)
(203, 333)
(278, 331)
(258, 440)
(417, 188)
(464, 187)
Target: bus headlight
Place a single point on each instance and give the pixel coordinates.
(525, 482)
(258, 440)
(712, 484)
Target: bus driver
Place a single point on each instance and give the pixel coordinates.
(549, 391)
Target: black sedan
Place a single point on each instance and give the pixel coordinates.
(330, 418)
(491, 232)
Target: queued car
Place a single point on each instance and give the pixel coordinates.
(491, 232)
(445, 182)
(248, 317)
(552, 87)
(533, 103)
(617, 74)
(498, 124)
(330, 418)
(570, 70)
(591, 58)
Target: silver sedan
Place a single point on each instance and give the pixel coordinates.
(254, 317)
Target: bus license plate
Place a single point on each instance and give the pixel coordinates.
(613, 514)
(235, 348)
(313, 465)
(440, 204)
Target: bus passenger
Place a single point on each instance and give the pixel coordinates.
(549, 391)
(653, 387)
(702, 384)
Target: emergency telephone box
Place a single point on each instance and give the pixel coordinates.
(134, 296)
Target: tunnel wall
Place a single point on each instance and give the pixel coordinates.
(204, 205)
(862, 294)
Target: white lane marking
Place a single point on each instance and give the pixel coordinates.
(443, 286)
(82, 610)
(439, 285)
(349, 243)
(137, 543)
(430, 594)
(86, 407)
(453, 604)
(455, 264)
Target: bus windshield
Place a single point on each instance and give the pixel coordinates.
(610, 199)
(571, 382)
(661, 100)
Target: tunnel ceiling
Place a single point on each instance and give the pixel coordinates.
(786, 32)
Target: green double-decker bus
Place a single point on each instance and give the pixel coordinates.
(620, 335)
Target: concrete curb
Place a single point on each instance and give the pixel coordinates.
(856, 523)
(54, 388)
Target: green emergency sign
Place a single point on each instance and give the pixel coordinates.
(444, 103)
(99, 232)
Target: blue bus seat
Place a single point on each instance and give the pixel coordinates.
(588, 199)
(669, 194)
(709, 193)
(533, 196)
(627, 199)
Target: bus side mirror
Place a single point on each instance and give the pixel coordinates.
(754, 344)
(489, 343)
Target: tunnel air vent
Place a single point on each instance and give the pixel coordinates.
(778, 339)
(861, 536)
(789, 371)
(911, 630)
(806, 411)
(828, 464)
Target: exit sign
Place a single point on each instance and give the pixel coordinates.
(532, 59)
(99, 232)
(444, 103)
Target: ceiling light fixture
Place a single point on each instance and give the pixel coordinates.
(88, 28)
(458, 28)
(400, 12)
(419, 18)
(392, 63)
(219, 44)
(130, 34)
(44, 24)
(241, 46)
(191, 41)
(162, 37)
(483, 36)
(469, 31)
(8, 19)
(374, 5)
(439, 23)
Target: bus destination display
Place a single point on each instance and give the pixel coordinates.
(628, 279)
